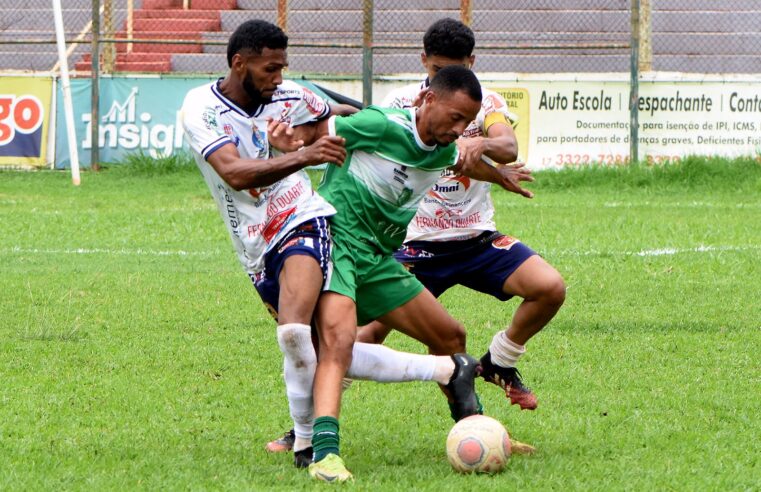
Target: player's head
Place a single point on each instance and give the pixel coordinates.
(447, 42)
(256, 55)
(453, 101)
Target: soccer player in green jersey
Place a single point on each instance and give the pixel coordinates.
(393, 158)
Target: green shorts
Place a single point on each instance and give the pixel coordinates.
(375, 281)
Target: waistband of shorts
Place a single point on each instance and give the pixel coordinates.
(485, 237)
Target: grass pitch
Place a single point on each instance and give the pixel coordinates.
(136, 355)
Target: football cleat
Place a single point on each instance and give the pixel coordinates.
(282, 444)
(462, 388)
(330, 469)
(509, 379)
(303, 458)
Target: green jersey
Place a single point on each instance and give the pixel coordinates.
(387, 172)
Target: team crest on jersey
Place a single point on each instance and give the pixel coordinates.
(504, 242)
(228, 129)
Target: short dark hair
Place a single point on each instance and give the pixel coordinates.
(255, 35)
(449, 38)
(453, 78)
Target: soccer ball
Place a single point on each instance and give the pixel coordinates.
(478, 444)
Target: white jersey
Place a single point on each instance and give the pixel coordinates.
(256, 218)
(457, 207)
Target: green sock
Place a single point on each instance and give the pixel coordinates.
(325, 437)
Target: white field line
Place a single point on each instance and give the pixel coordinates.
(182, 253)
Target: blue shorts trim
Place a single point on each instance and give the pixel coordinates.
(311, 238)
(482, 263)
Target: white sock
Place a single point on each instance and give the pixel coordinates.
(299, 363)
(505, 352)
(378, 363)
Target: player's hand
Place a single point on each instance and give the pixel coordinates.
(469, 151)
(512, 174)
(418, 101)
(327, 149)
(281, 136)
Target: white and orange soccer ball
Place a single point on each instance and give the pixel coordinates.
(478, 444)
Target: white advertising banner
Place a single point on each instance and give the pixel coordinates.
(574, 123)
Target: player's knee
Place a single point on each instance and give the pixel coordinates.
(452, 339)
(553, 292)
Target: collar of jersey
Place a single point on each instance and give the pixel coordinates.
(232, 105)
(420, 143)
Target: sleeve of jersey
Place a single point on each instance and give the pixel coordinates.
(309, 108)
(362, 130)
(393, 100)
(495, 111)
(202, 130)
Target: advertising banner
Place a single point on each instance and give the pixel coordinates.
(24, 120)
(136, 115)
(576, 123)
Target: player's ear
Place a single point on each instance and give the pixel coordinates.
(238, 63)
(423, 59)
(471, 61)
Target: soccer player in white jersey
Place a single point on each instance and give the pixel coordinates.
(278, 225)
(453, 238)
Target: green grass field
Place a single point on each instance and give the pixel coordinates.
(135, 355)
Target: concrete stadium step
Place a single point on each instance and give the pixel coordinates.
(708, 63)
(717, 22)
(195, 4)
(29, 61)
(389, 63)
(44, 4)
(176, 14)
(706, 44)
(176, 25)
(135, 57)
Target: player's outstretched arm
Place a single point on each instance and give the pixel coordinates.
(242, 174)
(507, 176)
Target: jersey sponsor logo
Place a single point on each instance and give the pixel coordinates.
(444, 222)
(504, 242)
(315, 105)
(259, 139)
(473, 130)
(297, 241)
(277, 222)
(450, 185)
(282, 200)
(209, 118)
(416, 252)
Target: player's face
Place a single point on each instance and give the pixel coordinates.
(434, 63)
(449, 114)
(263, 73)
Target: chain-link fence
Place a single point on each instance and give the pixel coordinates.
(332, 36)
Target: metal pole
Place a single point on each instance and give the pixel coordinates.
(634, 85)
(645, 37)
(367, 53)
(94, 93)
(466, 12)
(68, 108)
(282, 14)
(130, 22)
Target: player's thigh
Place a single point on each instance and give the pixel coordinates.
(425, 319)
(301, 280)
(487, 268)
(535, 278)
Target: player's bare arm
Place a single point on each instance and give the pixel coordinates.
(242, 173)
(508, 177)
